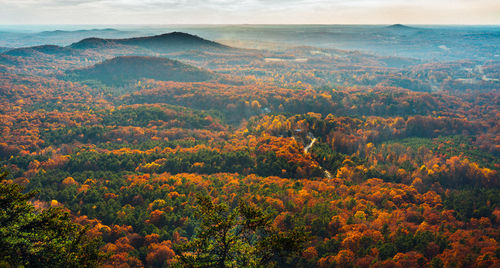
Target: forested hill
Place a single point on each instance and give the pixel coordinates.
(169, 42)
(121, 70)
(45, 49)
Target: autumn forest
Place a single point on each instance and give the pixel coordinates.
(173, 150)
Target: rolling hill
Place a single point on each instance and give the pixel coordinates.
(91, 32)
(45, 49)
(124, 69)
(170, 42)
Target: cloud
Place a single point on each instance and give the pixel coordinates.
(28, 4)
(248, 11)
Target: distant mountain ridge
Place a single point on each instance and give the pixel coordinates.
(164, 43)
(399, 26)
(45, 49)
(169, 42)
(403, 28)
(124, 69)
(105, 30)
(58, 37)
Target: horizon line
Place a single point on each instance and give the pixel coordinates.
(244, 24)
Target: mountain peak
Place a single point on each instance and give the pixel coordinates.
(399, 26)
(168, 42)
(93, 42)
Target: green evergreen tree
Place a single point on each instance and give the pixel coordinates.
(41, 238)
(242, 237)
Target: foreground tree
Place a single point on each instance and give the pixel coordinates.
(40, 238)
(242, 237)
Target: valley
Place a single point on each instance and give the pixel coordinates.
(325, 153)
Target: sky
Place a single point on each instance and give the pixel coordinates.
(250, 12)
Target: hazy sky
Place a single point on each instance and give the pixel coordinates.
(249, 11)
